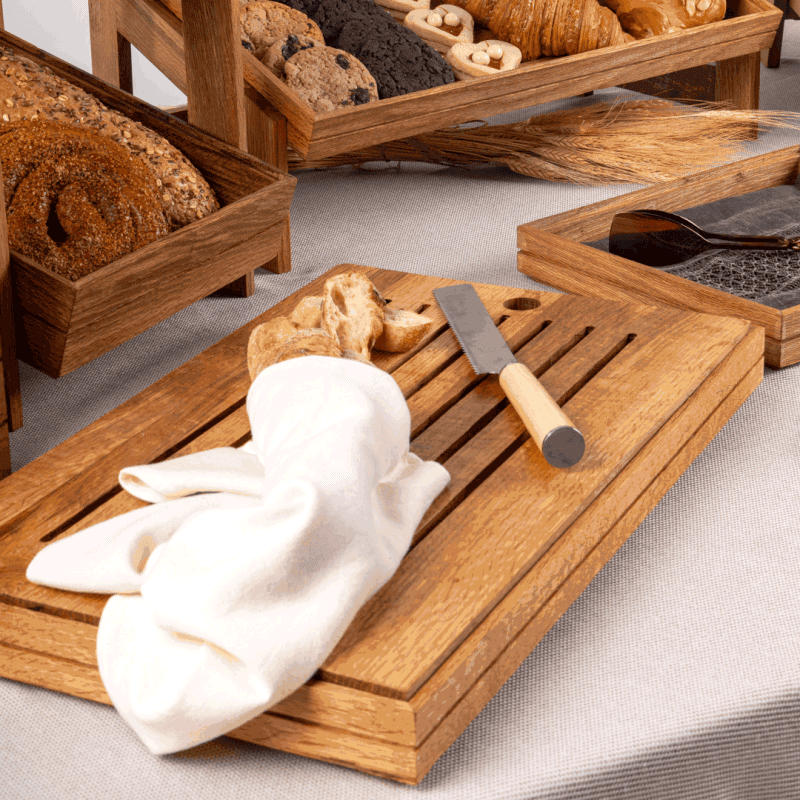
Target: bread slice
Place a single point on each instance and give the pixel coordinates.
(309, 342)
(308, 312)
(402, 330)
(265, 343)
(352, 311)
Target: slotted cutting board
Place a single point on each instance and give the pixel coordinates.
(501, 553)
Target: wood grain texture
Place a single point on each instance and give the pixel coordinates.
(550, 253)
(154, 28)
(214, 80)
(405, 680)
(110, 51)
(64, 324)
(10, 398)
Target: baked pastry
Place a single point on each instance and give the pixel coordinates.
(441, 27)
(398, 60)
(645, 18)
(31, 92)
(75, 200)
(348, 320)
(263, 22)
(478, 59)
(281, 50)
(352, 311)
(329, 79)
(548, 27)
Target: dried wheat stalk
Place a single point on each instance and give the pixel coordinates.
(629, 141)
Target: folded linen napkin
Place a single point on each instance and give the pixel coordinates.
(236, 584)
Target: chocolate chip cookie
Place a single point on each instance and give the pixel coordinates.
(329, 79)
(263, 21)
(281, 50)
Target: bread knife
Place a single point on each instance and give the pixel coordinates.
(559, 440)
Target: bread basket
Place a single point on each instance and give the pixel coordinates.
(63, 324)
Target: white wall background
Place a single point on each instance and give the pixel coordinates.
(62, 28)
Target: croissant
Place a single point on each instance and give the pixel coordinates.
(548, 27)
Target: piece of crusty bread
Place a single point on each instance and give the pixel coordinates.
(352, 311)
(347, 321)
(266, 342)
(308, 312)
(402, 330)
(309, 342)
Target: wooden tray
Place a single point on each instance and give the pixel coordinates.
(500, 555)
(64, 324)
(154, 28)
(549, 250)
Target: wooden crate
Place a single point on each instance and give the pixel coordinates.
(63, 324)
(497, 559)
(550, 250)
(154, 27)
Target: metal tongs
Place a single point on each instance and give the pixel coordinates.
(660, 239)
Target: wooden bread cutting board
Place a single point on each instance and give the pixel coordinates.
(499, 556)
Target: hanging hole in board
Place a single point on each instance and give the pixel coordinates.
(521, 304)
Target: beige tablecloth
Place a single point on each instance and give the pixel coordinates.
(675, 675)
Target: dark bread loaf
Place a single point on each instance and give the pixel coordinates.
(31, 92)
(75, 200)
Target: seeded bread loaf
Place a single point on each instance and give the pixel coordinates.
(29, 92)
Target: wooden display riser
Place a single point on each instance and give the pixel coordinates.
(498, 558)
(164, 33)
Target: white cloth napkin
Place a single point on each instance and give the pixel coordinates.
(229, 600)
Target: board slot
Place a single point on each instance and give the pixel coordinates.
(400, 359)
(572, 343)
(180, 445)
(613, 353)
(490, 429)
(85, 511)
(459, 382)
(441, 508)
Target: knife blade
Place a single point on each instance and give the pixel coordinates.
(559, 440)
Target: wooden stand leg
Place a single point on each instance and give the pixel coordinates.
(211, 35)
(738, 83)
(266, 139)
(111, 52)
(772, 57)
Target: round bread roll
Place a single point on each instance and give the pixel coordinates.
(309, 342)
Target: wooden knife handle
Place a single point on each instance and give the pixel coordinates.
(559, 440)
